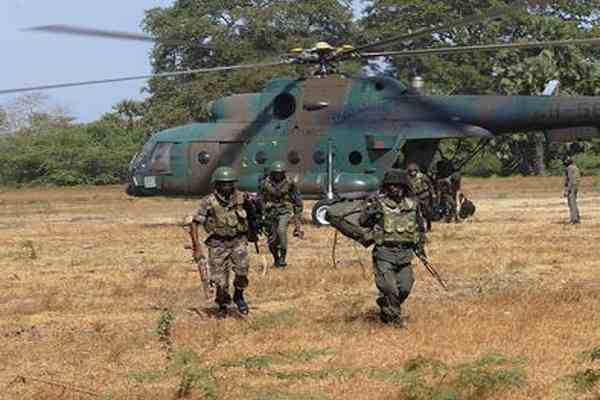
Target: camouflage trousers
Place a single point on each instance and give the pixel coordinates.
(449, 201)
(394, 278)
(573, 208)
(229, 256)
(278, 231)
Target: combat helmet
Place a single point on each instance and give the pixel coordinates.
(224, 174)
(396, 177)
(278, 166)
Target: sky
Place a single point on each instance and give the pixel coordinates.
(31, 58)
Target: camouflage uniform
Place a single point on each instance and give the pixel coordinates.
(225, 222)
(398, 229)
(572, 178)
(281, 201)
(448, 188)
(424, 191)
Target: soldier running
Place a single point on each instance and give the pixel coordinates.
(398, 230)
(424, 191)
(224, 219)
(281, 202)
(572, 178)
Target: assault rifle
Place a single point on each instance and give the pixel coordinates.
(421, 255)
(202, 264)
(255, 214)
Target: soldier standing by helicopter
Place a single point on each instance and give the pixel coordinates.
(572, 178)
(423, 188)
(281, 202)
(223, 217)
(399, 231)
(448, 185)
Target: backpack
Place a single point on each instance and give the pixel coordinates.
(467, 209)
(344, 216)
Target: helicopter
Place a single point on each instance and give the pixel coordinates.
(338, 134)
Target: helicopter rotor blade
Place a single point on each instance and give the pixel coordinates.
(140, 77)
(102, 33)
(490, 13)
(485, 47)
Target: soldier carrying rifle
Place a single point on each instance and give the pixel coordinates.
(224, 218)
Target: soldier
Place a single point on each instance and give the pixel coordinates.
(281, 201)
(572, 178)
(398, 230)
(423, 189)
(447, 186)
(224, 219)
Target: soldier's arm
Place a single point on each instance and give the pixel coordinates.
(570, 182)
(199, 218)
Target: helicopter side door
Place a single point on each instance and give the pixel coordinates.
(204, 157)
(309, 130)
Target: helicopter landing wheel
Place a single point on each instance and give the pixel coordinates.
(318, 212)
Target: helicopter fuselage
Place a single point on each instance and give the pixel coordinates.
(371, 124)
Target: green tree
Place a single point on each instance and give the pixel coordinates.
(216, 33)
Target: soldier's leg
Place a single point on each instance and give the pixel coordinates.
(447, 201)
(240, 265)
(219, 275)
(573, 208)
(282, 234)
(272, 241)
(405, 279)
(389, 297)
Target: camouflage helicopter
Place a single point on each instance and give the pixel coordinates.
(338, 134)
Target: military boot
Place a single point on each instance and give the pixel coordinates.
(282, 254)
(221, 312)
(240, 302)
(223, 299)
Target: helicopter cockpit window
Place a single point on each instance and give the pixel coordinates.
(284, 106)
(203, 157)
(260, 157)
(355, 158)
(160, 162)
(319, 157)
(293, 157)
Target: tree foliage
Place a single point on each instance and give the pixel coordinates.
(216, 33)
(51, 149)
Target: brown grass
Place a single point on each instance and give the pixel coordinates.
(89, 275)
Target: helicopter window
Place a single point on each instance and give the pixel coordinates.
(293, 157)
(355, 158)
(160, 162)
(260, 157)
(203, 157)
(319, 157)
(284, 106)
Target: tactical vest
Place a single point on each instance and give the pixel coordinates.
(226, 218)
(277, 195)
(398, 222)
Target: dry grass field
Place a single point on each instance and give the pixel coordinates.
(99, 299)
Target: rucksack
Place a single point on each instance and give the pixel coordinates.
(344, 216)
(467, 209)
